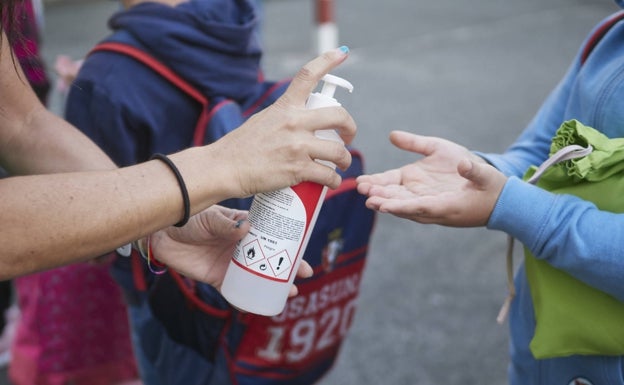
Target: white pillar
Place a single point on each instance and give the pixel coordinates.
(326, 28)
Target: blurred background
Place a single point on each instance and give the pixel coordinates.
(470, 71)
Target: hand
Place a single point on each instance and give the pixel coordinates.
(276, 147)
(450, 186)
(66, 69)
(203, 248)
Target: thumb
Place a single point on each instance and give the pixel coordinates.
(227, 228)
(217, 222)
(480, 174)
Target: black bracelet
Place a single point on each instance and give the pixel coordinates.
(185, 196)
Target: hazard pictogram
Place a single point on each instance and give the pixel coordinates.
(252, 253)
(280, 263)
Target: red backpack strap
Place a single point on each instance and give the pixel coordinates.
(152, 63)
(599, 34)
(188, 289)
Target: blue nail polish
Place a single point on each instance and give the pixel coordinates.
(344, 49)
(239, 223)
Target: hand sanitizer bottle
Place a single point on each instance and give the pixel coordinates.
(265, 261)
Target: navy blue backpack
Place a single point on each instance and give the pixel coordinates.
(188, 334)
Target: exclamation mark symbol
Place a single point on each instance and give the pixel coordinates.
(279, 263)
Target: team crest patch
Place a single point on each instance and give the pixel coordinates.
(332, 249)
(580, 381)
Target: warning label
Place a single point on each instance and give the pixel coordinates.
(269, 219)
(252, 257)
(271, 246)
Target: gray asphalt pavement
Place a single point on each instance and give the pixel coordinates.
(470, 71)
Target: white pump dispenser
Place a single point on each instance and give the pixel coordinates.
(265, 261)
(325, 98)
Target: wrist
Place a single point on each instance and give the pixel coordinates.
(206, 185)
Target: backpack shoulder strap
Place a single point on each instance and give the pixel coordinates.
(599, 33)
(164, 71)
(152, 63)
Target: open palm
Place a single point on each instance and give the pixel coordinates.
(449, 185)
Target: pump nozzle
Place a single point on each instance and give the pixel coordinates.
(330, 82)
(325, 98)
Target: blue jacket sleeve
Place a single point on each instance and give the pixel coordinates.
(568, 232)
(533, 145)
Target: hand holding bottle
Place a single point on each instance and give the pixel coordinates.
(277, 147)
(203, 247)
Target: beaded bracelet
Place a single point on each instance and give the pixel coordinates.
(185, 196)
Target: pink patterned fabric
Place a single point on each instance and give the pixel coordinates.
(73, 329)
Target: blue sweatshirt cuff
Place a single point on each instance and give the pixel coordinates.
(503, 163)
(521, 211)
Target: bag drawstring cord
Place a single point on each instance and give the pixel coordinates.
(569, 152)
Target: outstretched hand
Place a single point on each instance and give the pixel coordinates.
(449, 186)
(203, 248)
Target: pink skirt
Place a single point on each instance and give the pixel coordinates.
(73, 329)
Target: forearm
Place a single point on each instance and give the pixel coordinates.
(32, 139)
(55, 219)
(52, 220)
(567, 232)
(43, 143)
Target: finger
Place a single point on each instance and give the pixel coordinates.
(331, 151)
(321, 174)
(363, 187)
(306, 79)
(380, 204)
(305, 270)
(382, 178)
(478, 173)
(420, 144)
(336, 118)
(373, 203)
(392, 191)
(419, 210)
(233, 214)
(222, 226)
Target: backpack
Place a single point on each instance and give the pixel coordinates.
(180, 323)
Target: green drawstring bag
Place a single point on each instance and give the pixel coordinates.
(572, 317)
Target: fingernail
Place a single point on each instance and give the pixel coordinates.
(239, 223)
(344, 49)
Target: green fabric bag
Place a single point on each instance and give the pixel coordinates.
(572, 317)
